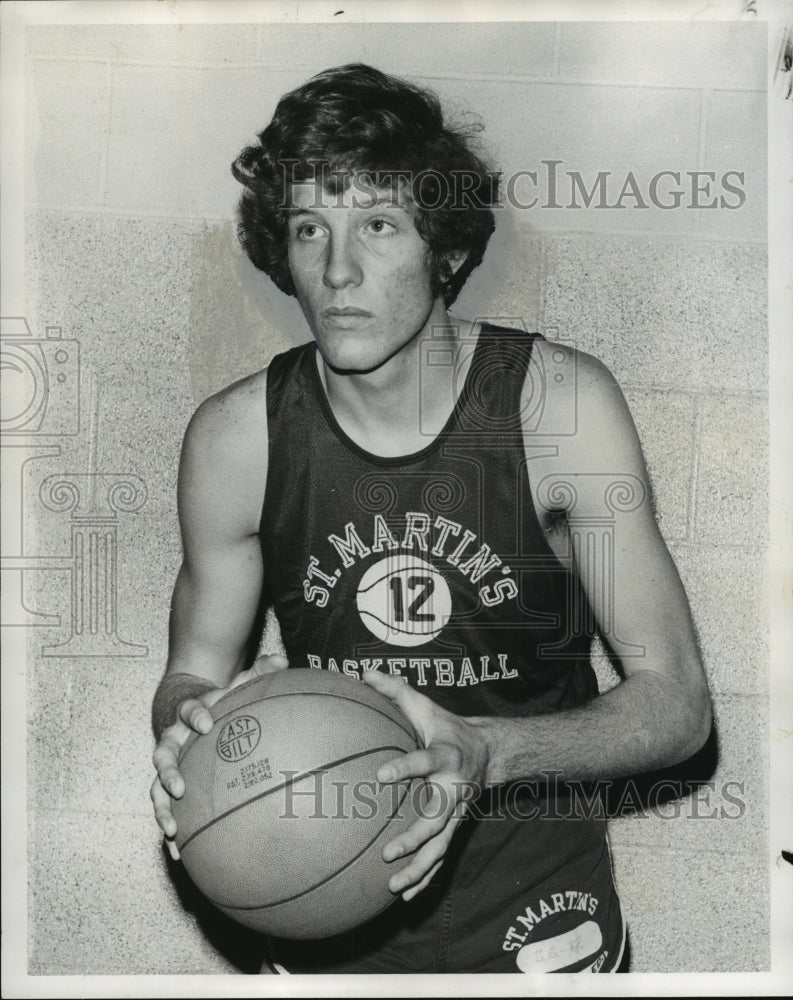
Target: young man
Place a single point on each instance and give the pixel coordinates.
(497, 477)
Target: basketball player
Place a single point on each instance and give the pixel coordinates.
(447, 510)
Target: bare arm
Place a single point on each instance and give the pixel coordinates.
(220, 492)
(221, 486)
(660, 713)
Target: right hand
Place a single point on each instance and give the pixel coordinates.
(193, 715)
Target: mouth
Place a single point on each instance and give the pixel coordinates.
(334, 312)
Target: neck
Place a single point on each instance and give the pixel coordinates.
(399, 408)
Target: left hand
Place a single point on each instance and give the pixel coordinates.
(192, 716)
(454, 762)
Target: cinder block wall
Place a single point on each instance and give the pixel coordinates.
(130, 249)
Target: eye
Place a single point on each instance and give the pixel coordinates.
(309, 231)
(380, 226)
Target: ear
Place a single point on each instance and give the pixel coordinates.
(456, 259)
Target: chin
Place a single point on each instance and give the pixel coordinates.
(354, 354)
(352, 364)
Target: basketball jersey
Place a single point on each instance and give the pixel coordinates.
(434, 567)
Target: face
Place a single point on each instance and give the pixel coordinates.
(362, 274)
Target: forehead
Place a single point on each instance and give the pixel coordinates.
(357, 193)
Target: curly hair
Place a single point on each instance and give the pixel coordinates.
(356, 120)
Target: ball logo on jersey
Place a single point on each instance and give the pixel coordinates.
(403, 600)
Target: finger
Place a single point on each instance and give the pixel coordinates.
(391, 687)
(421, 712)
(444, 810)
(166, 764)
(162, 809)
(433, 816)
(416, 889)
(269, 664)
(420, 763)
(428, 858)
(413, 704)
(196, 715)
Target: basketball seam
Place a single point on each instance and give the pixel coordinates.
(277, 788)
(324, 881)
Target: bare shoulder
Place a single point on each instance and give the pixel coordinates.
(225, 420)
(579, 402)
(224, 454)
(585, 428)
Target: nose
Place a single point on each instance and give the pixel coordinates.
(341, 265)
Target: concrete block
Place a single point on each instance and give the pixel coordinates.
(238, 318)
(271, 641)
(606, 673)
(666, 423)
(141, 427)
(728, 592)
(507, 282)
(312, 48)
(439, 49)
(683, 54)
(716, 802)
(694, 911)
(736, 140)
(163, 317)
(617, 132)
(110, 742)
(49, 713)
(133, 573)
(681, 315)
(100, 901)
(148, 555)
(152, 557)
(119, 285)
(149, 43)
(732, 479)
(66, 132)
(174, 132)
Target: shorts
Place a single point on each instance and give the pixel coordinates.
(491, 908)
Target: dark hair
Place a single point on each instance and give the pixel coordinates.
(356, 120)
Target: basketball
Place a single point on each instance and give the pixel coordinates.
(282, 824)
(404, 600)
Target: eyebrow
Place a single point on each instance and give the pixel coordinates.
(382, 201)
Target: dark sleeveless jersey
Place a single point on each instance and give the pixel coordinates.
(432, 565)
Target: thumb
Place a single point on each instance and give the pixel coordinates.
(268, 664)
(417, 707)
(394, 688)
